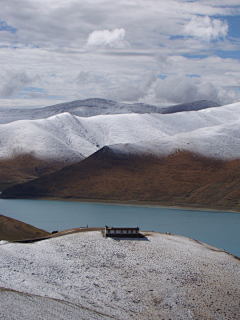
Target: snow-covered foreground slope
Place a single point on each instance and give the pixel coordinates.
(85, 276)
(68, 137)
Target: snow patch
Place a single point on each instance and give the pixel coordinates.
(161, 275)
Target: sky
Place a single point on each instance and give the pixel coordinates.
(159, 52)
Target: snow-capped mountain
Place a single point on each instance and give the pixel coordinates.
(82, 108)
(65, 136)
(219, 142)
(93, 107)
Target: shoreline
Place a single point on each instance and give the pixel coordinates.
(135, 203)
(214, 236)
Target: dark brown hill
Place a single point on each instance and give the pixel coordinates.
(181, 179)
(23, 168)
(11, 229)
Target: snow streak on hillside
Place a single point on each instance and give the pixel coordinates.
(213, 131)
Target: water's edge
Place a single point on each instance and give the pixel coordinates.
(217, 228)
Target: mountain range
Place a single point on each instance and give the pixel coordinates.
(67, 137)
(127, 152)
(93, 107)
(39, 141)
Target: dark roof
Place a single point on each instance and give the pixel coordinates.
(120, 228)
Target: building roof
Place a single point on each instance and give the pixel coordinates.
(121, 228)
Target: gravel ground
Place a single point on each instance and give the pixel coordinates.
(87, 276)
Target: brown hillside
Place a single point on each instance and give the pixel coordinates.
(23, 168)
(11, 229)
(182, 179)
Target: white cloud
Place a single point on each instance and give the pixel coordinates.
(181, 88)
(102, 48)
(67, 24)
(106, 38)
(11, 84)
(133, 91)
(206, 28)
(82, 77)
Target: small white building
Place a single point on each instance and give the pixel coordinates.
(125, 232)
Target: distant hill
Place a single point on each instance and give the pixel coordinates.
(192, 106)
(81, 108)
(93, 107)
(11, 229)
(181, 179)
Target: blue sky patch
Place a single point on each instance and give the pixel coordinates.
(162, 77)
(193, 75)
(176, 37)
(228, 54)
(195, 56)
(32, 89)
(5, 27)
(233, 25)
(25, 92)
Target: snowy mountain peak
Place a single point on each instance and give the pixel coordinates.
(93, 107)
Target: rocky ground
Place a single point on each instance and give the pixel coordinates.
(87, 276)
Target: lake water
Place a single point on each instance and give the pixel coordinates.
(220, 229)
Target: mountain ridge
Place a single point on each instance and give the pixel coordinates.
(72, 138)
(96, 106)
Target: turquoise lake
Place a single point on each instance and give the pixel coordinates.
(220, 229)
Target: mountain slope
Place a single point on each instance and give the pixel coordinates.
(219, 142)
(56, 138)
(182, 179)
(23, 168)
(11, 229)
